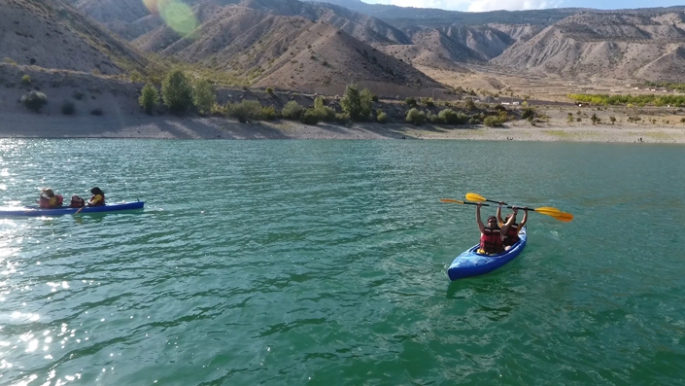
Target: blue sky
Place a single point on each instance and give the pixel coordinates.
(489, 5)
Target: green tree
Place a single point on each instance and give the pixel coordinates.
(149, 97)
(357, 104)
(204, 96)
(177, 91)
(366, 103)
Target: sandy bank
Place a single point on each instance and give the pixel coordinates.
(27, 125)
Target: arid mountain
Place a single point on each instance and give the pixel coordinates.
(269, 40)
(133, 21)
(278, 43)
(409, 18)
(646, 45)
(50, 34)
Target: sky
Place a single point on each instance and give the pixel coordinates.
(491, 5)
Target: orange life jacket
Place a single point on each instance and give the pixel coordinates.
(491, 241)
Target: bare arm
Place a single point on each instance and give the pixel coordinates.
(512, 219)
(480, 222)
(525, 218)
(499, 214)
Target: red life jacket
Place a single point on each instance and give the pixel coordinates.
(491, 241)
(512, 236)
(76, 202)
(101, 203)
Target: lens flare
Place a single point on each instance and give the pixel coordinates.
(175, 13)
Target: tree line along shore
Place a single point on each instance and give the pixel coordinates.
(182, 95)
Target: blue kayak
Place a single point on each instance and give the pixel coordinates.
(471, 263)
(32, 211)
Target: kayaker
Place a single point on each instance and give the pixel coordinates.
(98, 198)
(511, 237)
(49, 200)
(491, 236)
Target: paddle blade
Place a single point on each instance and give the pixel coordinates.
(548, 210)
(475, 197)
(449, 200)
(563, 217)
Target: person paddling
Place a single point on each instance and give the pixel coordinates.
(491, 236)
(98, 198)
(511, 237)
(49, 200)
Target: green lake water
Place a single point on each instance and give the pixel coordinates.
(324, 263)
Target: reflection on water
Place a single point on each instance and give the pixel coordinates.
(324, 262)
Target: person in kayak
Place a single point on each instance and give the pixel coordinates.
(98, 198)
(491, 236)
(511, 237)
(49, 200)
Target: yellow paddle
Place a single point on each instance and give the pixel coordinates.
(546, 210)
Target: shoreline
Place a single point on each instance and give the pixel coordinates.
(27, 125)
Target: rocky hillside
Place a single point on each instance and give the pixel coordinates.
(50, 34)
(255, 39)
(621, 45)
(277, 43)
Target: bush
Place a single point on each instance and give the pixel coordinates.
(246, 111)
(434, 118)
(682, 120)
(428, 102)
(204, 96)
(136, 77)
(26, 80)
(474, 120)
(470, 104)
(68, 108)
(34, 100)
(310, 117)
(97, 112)
(374, 98)
(493, 121)
(77, 95)
(451, 117)
(528, 113)
(177, 92)
(342, 118)
(381, 116)
(325, 113)
(270, 91)
(269, 113)
(149, 97)
(416, 116)
(292, 110)
(595, 119)
(411, 102)
(612, 119)
(10, 61)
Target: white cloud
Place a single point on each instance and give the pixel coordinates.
(473, 5)
(512, 5)
(442, 4)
